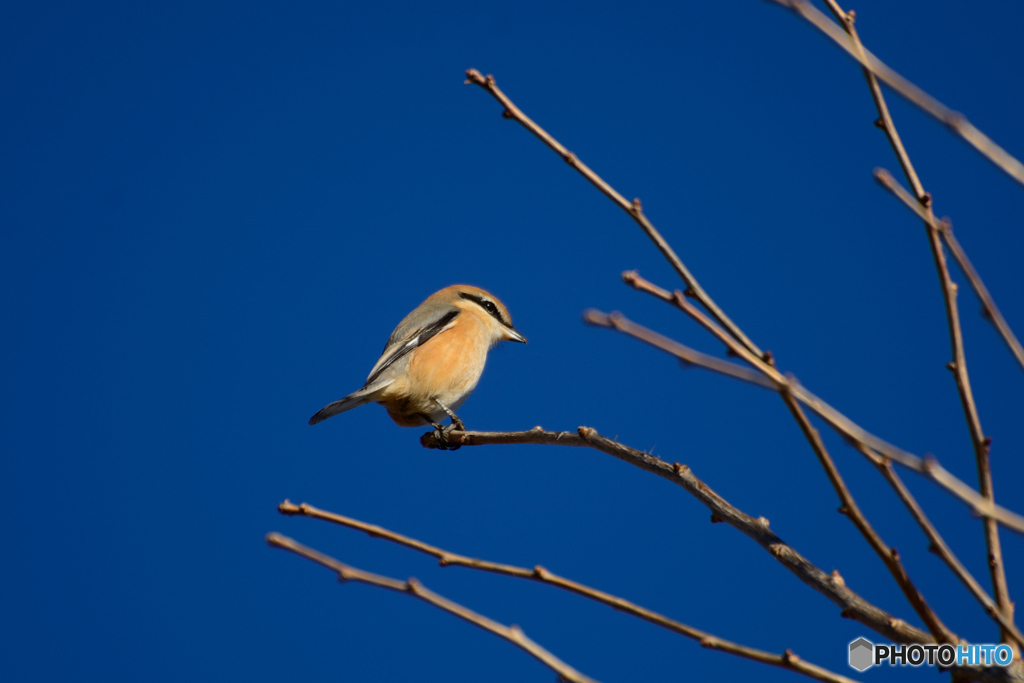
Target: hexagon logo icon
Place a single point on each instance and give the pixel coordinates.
(861, 651)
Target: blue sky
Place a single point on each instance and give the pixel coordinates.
(213, 215)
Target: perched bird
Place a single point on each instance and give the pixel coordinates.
(433, 359)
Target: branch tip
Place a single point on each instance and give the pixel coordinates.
(474, 77)
(290, 509)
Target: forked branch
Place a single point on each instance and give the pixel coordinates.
(414, 588)
(928, 467)
(831, 585)
(958, 366)
(989, 310)
(445, 558)
(953, 120)
(634, 208)
(939, 546)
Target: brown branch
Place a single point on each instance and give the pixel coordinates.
(923, 206)
(988, 305)
(634, 208)
(953, 120)
(937, 544)
(884, 121)
(787, 660)
(414, 588)
(989, 310)
(888, 555)
(927, 467)
(936, 236)
(958, 366)
(831, 585)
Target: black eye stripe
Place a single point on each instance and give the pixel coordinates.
(487, 305)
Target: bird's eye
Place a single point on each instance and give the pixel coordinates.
(487, 305)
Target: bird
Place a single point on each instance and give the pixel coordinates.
(433, 360)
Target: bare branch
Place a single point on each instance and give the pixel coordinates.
(787, 660)
(953, 120)
(928, 467)
(936, 236)
(849, 506)
(938, 545)
(831, 585)
(414, 588)
(634, 208)
(958, 366)
(989, 309)
(889, 556)
(884, 121)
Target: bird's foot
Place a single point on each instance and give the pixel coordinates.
(441, 436)
(443, 431)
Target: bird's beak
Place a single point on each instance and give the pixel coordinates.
(512, 335)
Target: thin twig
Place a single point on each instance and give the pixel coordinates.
(445, 558)
(414, 588)
(884, 121)
(849, 507)
(927, 467)
(958, 366)
(831, 585)
(923, 207)
(889, 556)
(953, 120)
(634, 208)
(937, 544)
(983, 507)
(989, 310)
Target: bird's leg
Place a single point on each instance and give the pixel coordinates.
(441, 432)
(456, 422)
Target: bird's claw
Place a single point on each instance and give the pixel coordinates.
(441, 436)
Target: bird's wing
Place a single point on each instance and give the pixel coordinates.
(412, 332)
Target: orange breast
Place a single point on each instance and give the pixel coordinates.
(450, 362)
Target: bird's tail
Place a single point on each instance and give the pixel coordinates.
(351, 401)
